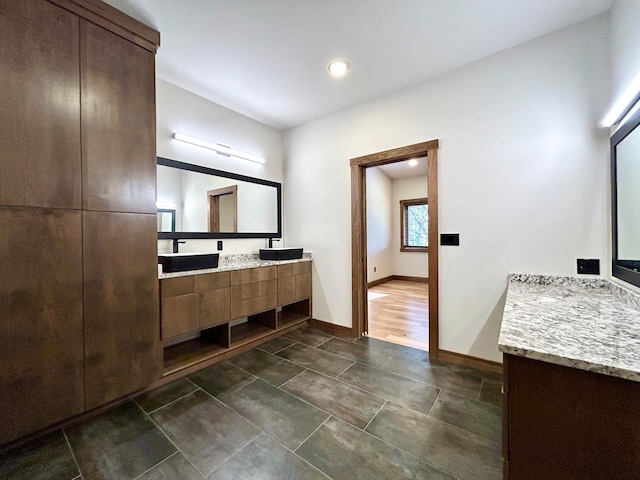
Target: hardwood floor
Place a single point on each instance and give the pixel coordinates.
(399, 313)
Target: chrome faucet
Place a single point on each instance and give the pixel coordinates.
(176, 243)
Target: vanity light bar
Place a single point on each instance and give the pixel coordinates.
(626, 100)
(218, 148)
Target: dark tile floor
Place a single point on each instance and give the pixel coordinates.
(304, 406)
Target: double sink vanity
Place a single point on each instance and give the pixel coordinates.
(211, 313)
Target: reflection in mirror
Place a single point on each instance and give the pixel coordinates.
(218, 202)
(166, 220)
(625, 161)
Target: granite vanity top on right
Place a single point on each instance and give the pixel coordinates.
(589, 324)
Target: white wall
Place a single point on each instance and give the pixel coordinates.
(379, 225)
(522, 163)
(410, 264)
(181, 111)
(625, 39)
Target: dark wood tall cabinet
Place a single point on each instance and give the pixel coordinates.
(79, 324)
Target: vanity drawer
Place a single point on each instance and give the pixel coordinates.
(253, 290)
(250, 306)
(294, 269)
(212, 281)
(250, 275)
(215, 307)
(172, 287)
(179, 315)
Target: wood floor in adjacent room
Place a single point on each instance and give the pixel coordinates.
(399, 313)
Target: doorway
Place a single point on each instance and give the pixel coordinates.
(359, 233)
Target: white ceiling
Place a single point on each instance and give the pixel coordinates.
(404, 170)
(268, 59)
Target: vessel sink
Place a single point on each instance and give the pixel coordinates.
(281, 253)
(181, 262)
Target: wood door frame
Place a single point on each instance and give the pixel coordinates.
(359, 232)
(213, 207)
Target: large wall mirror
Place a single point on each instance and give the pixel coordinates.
(200, 202)
(625, 179)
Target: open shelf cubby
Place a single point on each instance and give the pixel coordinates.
(256, 326)
(294, 313)
(211, 342)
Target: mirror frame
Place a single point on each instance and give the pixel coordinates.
(624, 270)
(166, 162)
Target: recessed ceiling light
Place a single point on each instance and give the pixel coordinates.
(413, 162)
(338, 68)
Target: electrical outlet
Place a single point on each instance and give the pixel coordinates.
(374, 269)
(589, 266)
(219, 245)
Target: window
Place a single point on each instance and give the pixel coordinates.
(414, 225)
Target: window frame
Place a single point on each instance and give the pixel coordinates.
(403, 224)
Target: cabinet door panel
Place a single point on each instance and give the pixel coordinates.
(118, 123)
(286, 290)
(179, 315)
(40, 105)
(303, 286)
(122, 325)
(215, 307)
(41, 334)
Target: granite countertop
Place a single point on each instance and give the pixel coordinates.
(589, 324)
(237, 262)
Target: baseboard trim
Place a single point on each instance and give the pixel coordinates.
(411, 279)
(331, 328)
(469, 361)
(380, 281)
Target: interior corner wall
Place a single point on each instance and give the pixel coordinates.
(625, 39)
(522, 169)
(181, 111)
(379, 225)
(408, 264)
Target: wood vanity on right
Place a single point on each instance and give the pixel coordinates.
(571, 391)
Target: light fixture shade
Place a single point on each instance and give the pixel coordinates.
(218, 148)
(628, 98)
(338, 68)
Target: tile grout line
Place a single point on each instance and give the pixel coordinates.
(434, 404)
(159, 463)
(372, 418)
(311, 434)
(294, 453)
(295, 376)
(170, 441)
(167, 404)
(237, 451)
(336, 377)
(404, 451)
(73, 455)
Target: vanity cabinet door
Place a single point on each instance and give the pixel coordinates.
(118, 123)
(287, 290)
(179, 315)
(122, 327)
(294, 282)
(40, 120)
(215, 307)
